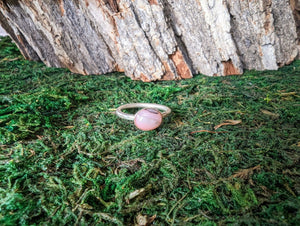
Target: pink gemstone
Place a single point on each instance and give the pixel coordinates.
(148, 119)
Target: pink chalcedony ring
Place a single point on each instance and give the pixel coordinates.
(148, 118)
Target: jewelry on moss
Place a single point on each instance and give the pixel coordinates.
(148, 118)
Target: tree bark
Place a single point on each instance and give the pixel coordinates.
(154, 39)
(295, 4)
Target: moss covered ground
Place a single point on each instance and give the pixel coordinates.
(227, 155)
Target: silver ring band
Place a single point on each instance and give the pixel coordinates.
(165, 110)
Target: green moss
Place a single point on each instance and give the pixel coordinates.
(65, 158)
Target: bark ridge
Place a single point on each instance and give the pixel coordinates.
(154, 39)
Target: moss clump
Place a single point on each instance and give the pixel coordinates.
(67, 159)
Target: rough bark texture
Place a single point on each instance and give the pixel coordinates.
(295, 5)
(155, 39)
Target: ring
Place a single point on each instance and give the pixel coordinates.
(148, 118)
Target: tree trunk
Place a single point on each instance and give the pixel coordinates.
(154, 39)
